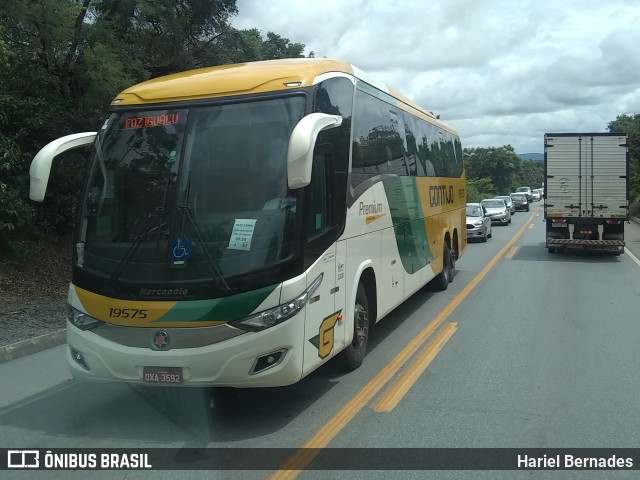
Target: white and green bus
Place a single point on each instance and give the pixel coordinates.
(242, 225)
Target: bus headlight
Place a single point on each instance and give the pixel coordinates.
(279, 314)
(82, 320)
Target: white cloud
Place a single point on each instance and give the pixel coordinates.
(500, 72)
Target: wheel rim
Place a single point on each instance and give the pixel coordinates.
(446, 268)
(361, 326)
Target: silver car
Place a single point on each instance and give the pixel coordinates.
(498, 210)
(478, 222)
(510, 205)
(526, 191)
(520, 201)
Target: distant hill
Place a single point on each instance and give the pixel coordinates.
(538, 157)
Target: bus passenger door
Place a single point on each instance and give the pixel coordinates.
(324, 330)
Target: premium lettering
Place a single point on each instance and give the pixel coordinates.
(370, 208)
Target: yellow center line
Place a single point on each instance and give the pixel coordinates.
(512, 252)
(530, 226)
(399, 389)
(304, 456)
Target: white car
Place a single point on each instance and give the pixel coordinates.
(526, 191)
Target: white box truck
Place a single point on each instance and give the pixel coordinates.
(586, 191)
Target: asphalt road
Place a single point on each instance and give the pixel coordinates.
(538, 352)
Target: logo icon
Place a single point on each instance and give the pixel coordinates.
(161, 340)
(23, 459)
(181, 249)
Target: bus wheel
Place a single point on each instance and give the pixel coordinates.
(452, 263)
(354, 354)
(441, 282)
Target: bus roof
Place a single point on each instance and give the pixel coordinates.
(226, 80)
(250, 78)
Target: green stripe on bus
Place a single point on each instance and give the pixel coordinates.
(224, 309)
(408, 221)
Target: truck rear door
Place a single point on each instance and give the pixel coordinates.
(586, 175)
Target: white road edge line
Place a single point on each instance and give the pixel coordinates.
(633, 257)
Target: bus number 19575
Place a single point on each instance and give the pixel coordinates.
(127, 313)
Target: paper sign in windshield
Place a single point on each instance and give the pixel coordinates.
(242, 234)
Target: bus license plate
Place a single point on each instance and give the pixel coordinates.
(165, 375)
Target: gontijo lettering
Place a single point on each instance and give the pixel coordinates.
(441, 195)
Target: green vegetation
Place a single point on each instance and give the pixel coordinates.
(63, 61)
(498, 171)
(630, 124)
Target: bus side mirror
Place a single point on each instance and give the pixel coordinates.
(41, 163)
(301, 143)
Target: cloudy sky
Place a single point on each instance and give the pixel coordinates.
(500, 72)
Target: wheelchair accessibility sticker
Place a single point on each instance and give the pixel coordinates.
(181, 248)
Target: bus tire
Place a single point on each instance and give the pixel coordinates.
(353, 355)
(452, 262)
(441, 282)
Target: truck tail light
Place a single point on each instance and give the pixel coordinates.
(613, 222)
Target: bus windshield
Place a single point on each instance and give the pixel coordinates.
(190, 194)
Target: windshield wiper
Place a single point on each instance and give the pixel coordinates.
(146, 232)
(124, 261)
(214, 268)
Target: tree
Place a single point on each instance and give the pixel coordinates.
(479, 189)
(276, 46)
(249, 45)
(530, 174)
(15, 212)
(630, 124)
(63, 61)
(500, 164)
(165, 36)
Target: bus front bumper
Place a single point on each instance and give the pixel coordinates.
(232, 363)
